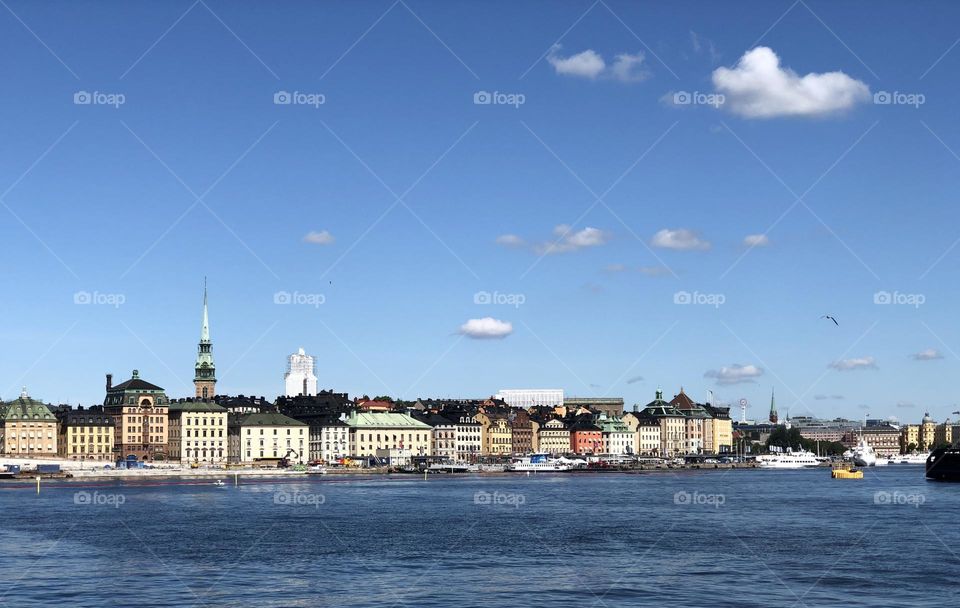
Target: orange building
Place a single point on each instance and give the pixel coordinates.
(585, 437)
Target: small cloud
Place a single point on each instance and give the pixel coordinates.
(735, 374)
(615, 268)
(629, 68)
(595, 385)
(626, 67)
(587, 64)
(928, 354)
(653, 271)
(567, 240)
(319, 238)
(846, 365)
(863, 406)
(510, 240)
(829, 397)
(905, 404)
(756, 240)
(758, 87)
(635, 379)
(486, 328)
(701, 44)
(680, 239)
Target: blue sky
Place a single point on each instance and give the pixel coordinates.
(199, 172)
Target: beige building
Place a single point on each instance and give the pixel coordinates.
(553, 437)
(928, 430)
(267, 436)
(198, 432)
(673, 425)
(909, 436)
(499, 438)
(718, 434)
(646, 438)
(85, 434)
(372, 431)
(28, 427)
(139, 411)
(943, 433)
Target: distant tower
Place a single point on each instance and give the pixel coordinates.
(773, 408)
(205, 377)
(301, 377)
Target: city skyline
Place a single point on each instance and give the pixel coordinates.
(599, 201)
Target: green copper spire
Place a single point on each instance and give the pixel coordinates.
(773, 408)
(205, 377)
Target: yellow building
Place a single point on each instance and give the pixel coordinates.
(267, 436)
(943, 433)
(909, 438)
(927, 433)
(719, 435)
(372, 431)
(499, 438)
(85, 434)
(198, 432)
(28, 428)
(553, 437)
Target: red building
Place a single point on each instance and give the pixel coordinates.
(585, 438)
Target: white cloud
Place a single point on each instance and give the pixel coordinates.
(635, 379)
(759, 88)
(828, 397)
(486, 328)
(928, 354)
(510, 240)
(756, 240)
(653, 271)
(626, 67)
(905, 404)
(588, 64)
(629, 68)
(615, 268)
(846, 365)
(680, 239)
(319, 238)
(568, 240)
(735, 374)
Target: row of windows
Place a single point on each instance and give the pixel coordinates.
(219, 433)
(249, 431)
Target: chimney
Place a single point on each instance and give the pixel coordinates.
(109, 381)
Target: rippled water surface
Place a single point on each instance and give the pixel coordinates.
(713, 538)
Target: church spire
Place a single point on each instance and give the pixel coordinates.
(773, 408)
(204, 378)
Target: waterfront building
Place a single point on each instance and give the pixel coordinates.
(267, 437)
(554, 437)
(205, 376)
(372, 431)
(140, 411)
(909, 438)
(885, 440)
(927, 432)
(695, 416)
(648, 437)
(611, 406)
(28, 427)
(673, 425)
(585, 437)
(497, 434)
(85, 434)
(530, 397)
(521, 432)
(943, 433)
(443, 435)
(617, 437)
(469, 440)
(198, 432)
(329, 439)
(301, 375)
(718, 430)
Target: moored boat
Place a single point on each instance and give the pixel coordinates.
(944, 464)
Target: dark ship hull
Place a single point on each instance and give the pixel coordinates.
(944, 464)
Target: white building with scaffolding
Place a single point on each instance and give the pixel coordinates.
(301, 376)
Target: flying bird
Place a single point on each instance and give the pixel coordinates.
(831, 318)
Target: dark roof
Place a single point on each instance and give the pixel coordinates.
(26, 408)
(135, 384)
(268, 419)
(195, 406)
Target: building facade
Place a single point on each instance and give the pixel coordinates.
(85, 434)
(372, 431)
(140, 414)
(521, 432)
(618, 438)
(198, 432)
(28, 427)
(531, 397)
(928, 430)
(301, 375)
(554, 437)
(267, 437)
(673, 425)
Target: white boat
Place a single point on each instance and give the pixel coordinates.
(543, 463)
(909, 459)
(865, 456)
(219, 483)
(788, 460)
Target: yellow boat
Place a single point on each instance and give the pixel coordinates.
(845, 471)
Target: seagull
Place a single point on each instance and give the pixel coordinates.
(831, 318)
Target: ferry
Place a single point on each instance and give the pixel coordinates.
(788, 460)
(541, 463)
(909, 459)
(944, 464)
